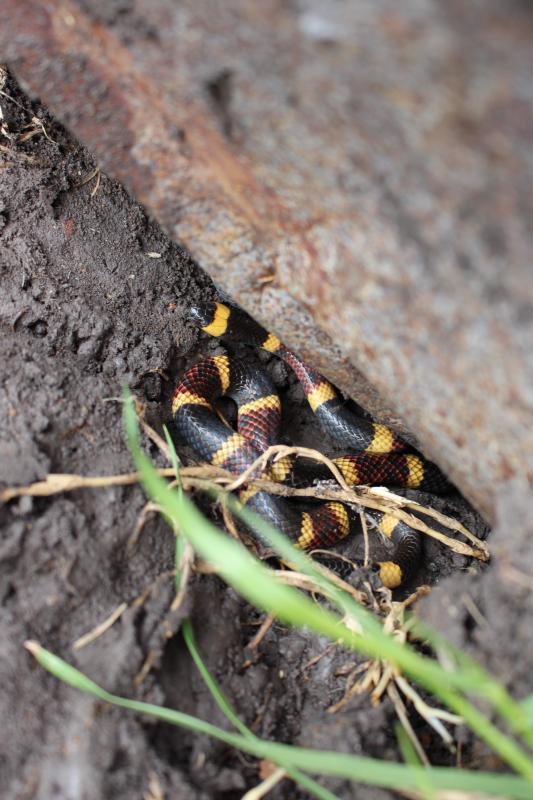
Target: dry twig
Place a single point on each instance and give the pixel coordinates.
(206, 476)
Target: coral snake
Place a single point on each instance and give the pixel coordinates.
(377, 454)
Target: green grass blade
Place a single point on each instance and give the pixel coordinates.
(443, 683)
(515, 714)
(410, 756)
(357, 768)
(179, 549)
(467, 677)
(179, 546)
(174, 459)
(254, 581)
(527, 708)
(304, 780)
(210, 682)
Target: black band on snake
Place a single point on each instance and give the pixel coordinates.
(377, 454)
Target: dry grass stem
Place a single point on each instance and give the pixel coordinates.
(371, 671)
(444, 519)
(319, 657)
(380, 678)
(267, 623)
(89, 177)
(351, 496)
(56, 483)
(425, 710)
(229, 521)
(281, 451)
(34, 128)
(474, 611)
(89, 637)
(148, 509)
(203, 477)
(401, 713)
(149, 662)
(150, 432)
(301, 581)
(97, 184)
(202, 567)
(154, 791)
(420, 591)
(266, 785)
(332, 576)
(185, 569)
(161, 578)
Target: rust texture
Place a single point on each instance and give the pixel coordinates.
(357, 175)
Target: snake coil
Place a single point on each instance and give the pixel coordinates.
(377, 454)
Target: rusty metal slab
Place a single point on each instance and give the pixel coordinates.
(357, 175)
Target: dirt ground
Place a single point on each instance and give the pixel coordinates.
(86, 307)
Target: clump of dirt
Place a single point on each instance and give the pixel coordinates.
(94, 297)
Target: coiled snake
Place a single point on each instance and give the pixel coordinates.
(376, 455)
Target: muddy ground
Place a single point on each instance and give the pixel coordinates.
(85, 308)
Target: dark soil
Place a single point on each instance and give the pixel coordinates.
(85, 308)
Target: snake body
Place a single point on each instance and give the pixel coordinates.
(377, 454)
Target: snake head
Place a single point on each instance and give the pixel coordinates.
(203, 314)
(212, 318)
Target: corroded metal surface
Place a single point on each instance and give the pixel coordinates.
(357, 170)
